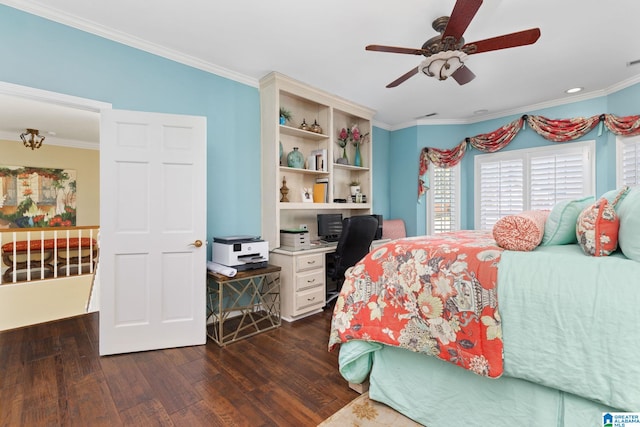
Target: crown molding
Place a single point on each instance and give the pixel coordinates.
(61, 99)
(128, 40)
(521, 110)
(108, 33)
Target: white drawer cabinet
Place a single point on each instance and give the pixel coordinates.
(310, 299)
(302, 282)
(310, 279)
(309, 261)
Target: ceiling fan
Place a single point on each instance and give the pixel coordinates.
(445, 54)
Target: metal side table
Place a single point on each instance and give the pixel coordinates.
(244, 305)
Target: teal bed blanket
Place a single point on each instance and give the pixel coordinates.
(439, 394)
(570, 322)
(570, 331)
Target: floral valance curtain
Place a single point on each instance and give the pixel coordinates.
(557, 130)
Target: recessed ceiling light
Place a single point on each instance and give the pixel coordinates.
(483, 111)
(574, 90)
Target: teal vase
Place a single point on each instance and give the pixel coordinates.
(357, 161)
(295, 159)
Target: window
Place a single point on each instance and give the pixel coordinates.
(628, 161)
(508, 183)
(443, 199)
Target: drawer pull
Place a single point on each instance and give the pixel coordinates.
(311, 299)
(311, 281)
(311, 262)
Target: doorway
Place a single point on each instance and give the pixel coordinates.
(75, 122)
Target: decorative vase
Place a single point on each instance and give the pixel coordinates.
(283, 121)
(295, 159)
(344, 160)
(357, 161)
(355, 189)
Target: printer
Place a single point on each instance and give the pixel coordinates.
(241, 252)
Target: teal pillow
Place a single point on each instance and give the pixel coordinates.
(612, 194)
(629, 232)
(560, 227)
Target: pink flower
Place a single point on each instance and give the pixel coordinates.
(356, 137)
(356, 133)
(343, 137)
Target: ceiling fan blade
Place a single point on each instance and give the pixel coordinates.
(521, 38)
(463, 13)
(463, 75)
(393, 49)
(412, 72)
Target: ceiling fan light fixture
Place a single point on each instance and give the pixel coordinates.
(443, 64)
(32, 138)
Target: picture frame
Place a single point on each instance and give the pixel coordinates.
(307, 195)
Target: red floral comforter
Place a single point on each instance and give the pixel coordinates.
(430, 294)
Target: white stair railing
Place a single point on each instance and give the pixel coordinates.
(43, 253)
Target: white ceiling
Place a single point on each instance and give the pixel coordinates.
(585, 43)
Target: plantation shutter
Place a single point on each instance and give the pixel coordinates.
(532, 179)
(501, 190)
(630, 168)
(444, 207)
(554, 178)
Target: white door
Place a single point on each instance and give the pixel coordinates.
(152, 231)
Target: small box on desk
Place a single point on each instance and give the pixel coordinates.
(295, 238)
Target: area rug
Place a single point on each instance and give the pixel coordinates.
(364, 412)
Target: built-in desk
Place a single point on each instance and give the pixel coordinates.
(303, 278)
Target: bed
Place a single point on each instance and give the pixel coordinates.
(541, 337)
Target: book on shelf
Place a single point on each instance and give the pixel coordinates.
(321, 159)
(322, 187)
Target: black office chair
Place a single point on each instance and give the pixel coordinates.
(354, 243)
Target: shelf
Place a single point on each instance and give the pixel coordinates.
(318, 206)
(331, 113)
(300, 170)
(288, 130)
(349, 167)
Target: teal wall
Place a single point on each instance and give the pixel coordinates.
(42, 54)
(381, 165)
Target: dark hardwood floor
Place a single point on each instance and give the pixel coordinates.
(51, 375)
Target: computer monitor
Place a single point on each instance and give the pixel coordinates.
(329, 227)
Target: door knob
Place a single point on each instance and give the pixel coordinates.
(197, 243)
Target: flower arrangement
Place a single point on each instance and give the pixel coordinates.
(343, 137)
(352, 135)
(356, 137)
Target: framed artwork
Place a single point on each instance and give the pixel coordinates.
(37, 197)
(307, 195)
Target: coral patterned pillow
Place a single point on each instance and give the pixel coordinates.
(521, 232)
(597, 229)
